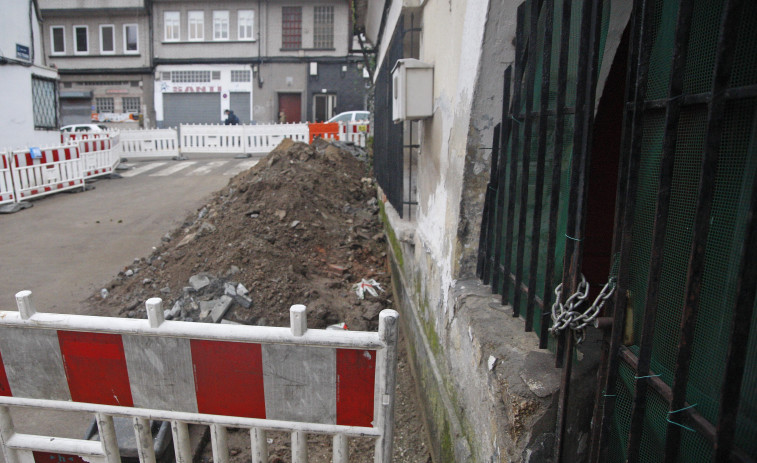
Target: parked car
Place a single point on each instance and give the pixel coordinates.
(350, 116)
(84, 128)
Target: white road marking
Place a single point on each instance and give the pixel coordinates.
(173, 169)
(206, 168)
(244, 165)
(141, 169)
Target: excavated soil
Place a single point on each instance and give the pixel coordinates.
(300, 227)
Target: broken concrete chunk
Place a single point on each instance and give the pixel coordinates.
(280, 214)
(206, 229)
(220, 308)
(229, 289)
(244, 301)
(199, 281)
(241, 290)
(176, 309)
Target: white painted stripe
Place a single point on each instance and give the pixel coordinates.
(33, 363)
(160, 372)
(300, 383)
(141, 169)
(244, 165)
(207, 168)
(173, 169)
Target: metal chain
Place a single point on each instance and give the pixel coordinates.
(567, 315)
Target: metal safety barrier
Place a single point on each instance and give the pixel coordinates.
(295, 379)
(39, 172)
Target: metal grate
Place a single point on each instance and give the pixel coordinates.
(104, 105)
(131, 104)
(44, 103)
(291, 27)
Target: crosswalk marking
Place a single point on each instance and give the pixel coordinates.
(173, 169)
(244, 165)
(142, 169)
(207, 168)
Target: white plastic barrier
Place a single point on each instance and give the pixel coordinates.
(99, 156)
(149, 143)
(7, 194)
(212, 139)
(66, 137)
(55, 169)
(292, 379)
(263, 138)
(355, 132)
(238, 139)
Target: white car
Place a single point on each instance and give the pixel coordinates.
(84, 128)
(350, 116)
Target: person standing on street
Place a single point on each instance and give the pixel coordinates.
(231, 118)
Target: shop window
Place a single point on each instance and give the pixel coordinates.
(104, 105)
(131, 104)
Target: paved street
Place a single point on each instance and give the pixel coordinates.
(69, 245)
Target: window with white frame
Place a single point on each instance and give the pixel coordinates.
(245, 23)
(81, 42)
(107, 39)
(131, 38)
(172, 26)
(220, 25)
(104, 105)
(323, 27)
(57, 40)
(131, 104)
(44, 103)
(196, 20)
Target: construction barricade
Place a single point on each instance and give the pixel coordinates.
(354, 132)
(148, 143)
(237, 139)
(339, 383)
(41, 171)
(262, 138)
(98, 157)
(325, 130)
(66, 137)
(6, 180)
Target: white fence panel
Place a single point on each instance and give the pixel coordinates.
(339, 383)
(149, 143)
(212, 139)
(7, 195)
(56, 169)
(262, 138)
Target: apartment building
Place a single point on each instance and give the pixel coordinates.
(102, 50)
(267, 61)
(161, 63)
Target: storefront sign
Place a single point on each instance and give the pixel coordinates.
(173, 88)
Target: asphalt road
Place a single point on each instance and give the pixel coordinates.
(68, 246)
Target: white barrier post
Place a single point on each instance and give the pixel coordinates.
(181, 445)
(258, 446)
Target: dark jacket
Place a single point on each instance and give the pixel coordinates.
(232, 119)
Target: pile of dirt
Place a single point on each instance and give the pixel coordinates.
(300, 227)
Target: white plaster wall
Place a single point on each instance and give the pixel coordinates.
(451, 41)
(16, 115)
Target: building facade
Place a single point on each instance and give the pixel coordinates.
(30, 111)
(103, 53)
(165, 62)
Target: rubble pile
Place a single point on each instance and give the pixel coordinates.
(300, 227)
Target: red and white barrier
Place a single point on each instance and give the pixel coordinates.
(262, 378)
(98, 157)
(66, 137)
(57, 169)
(7, 194)
(355, 132)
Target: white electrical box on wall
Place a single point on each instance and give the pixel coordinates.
(412, 90)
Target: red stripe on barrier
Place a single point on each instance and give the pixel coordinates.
(228, 378)
(96, 368)
(29, 160)
(5, 387)
(355, 378)
(46, 457)
(71, 183)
